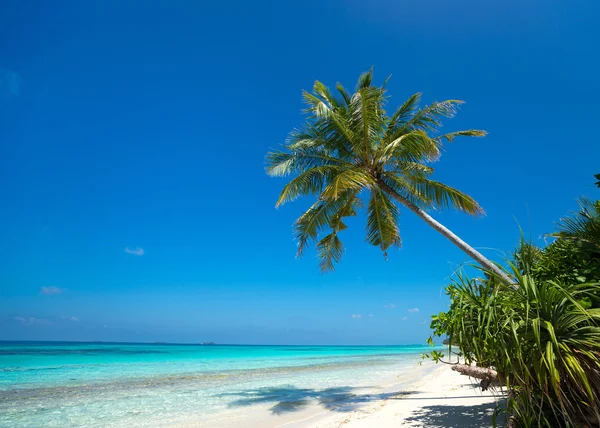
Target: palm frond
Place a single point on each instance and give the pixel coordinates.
(429, 118)
(344, 93)
(442, 196)
(467, 133)
(315, 106)
(282, 163)
(307, 183)
(367, 110)
(331, 136)
(413, 169)
(350, 179)
(405, 188)
(329, 124)
(584, 225)
(324, 92)
(340, 133)
(415, 146)
(403, 113)
(319, 216)
(330, 251)
(364, 80)
(382, 221)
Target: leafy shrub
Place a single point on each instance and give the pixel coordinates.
(540, 335)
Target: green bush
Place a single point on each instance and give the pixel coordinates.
(541, 334)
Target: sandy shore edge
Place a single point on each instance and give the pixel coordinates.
(442, 398)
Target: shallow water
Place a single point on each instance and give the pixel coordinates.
(108, 384)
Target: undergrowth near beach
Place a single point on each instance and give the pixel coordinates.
(539, 337)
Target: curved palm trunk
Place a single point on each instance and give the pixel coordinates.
(470, 251)
(489, 377)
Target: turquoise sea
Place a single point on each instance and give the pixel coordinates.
(51, 384)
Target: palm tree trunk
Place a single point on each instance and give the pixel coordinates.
(470, 251)
(489, 377)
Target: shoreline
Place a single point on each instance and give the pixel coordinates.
(311, 405)
(230, 387)
(441, 399)
(425, 397)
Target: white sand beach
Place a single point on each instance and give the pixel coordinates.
(428, 396)
(443, 398)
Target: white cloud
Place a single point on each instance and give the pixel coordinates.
(138, 251)
(390, 306)
(404, 318)
(27, 321)
(370, 315)
(51, 290)
(356, 316)
(413, 310)
(69, 318)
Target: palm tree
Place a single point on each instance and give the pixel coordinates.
(349, 149)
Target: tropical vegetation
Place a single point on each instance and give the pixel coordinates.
(539, 337)
(531, 329)
(351, 154)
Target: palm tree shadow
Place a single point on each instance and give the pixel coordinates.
(290, 399)
(468, 416)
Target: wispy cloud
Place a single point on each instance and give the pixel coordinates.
(356, 316)
(390, 306)
(404, 318)
(27, 321)
(413, 310)
(370, 315)
(75, 319)
(51, 290)
(10, 83)
(138, 251)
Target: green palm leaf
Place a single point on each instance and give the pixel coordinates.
(350, 146)
(468, 133)
(351, 179)
(330, 250)
(319, 216)
(442, 196)
(308, 183)
(403, 114)
(584, 225)
(382, 221)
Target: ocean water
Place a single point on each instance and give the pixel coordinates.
(136, 385)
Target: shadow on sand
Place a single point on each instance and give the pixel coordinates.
(447, 416)
(345, 399)
(291, 399)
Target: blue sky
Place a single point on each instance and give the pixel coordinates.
(143, 126)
